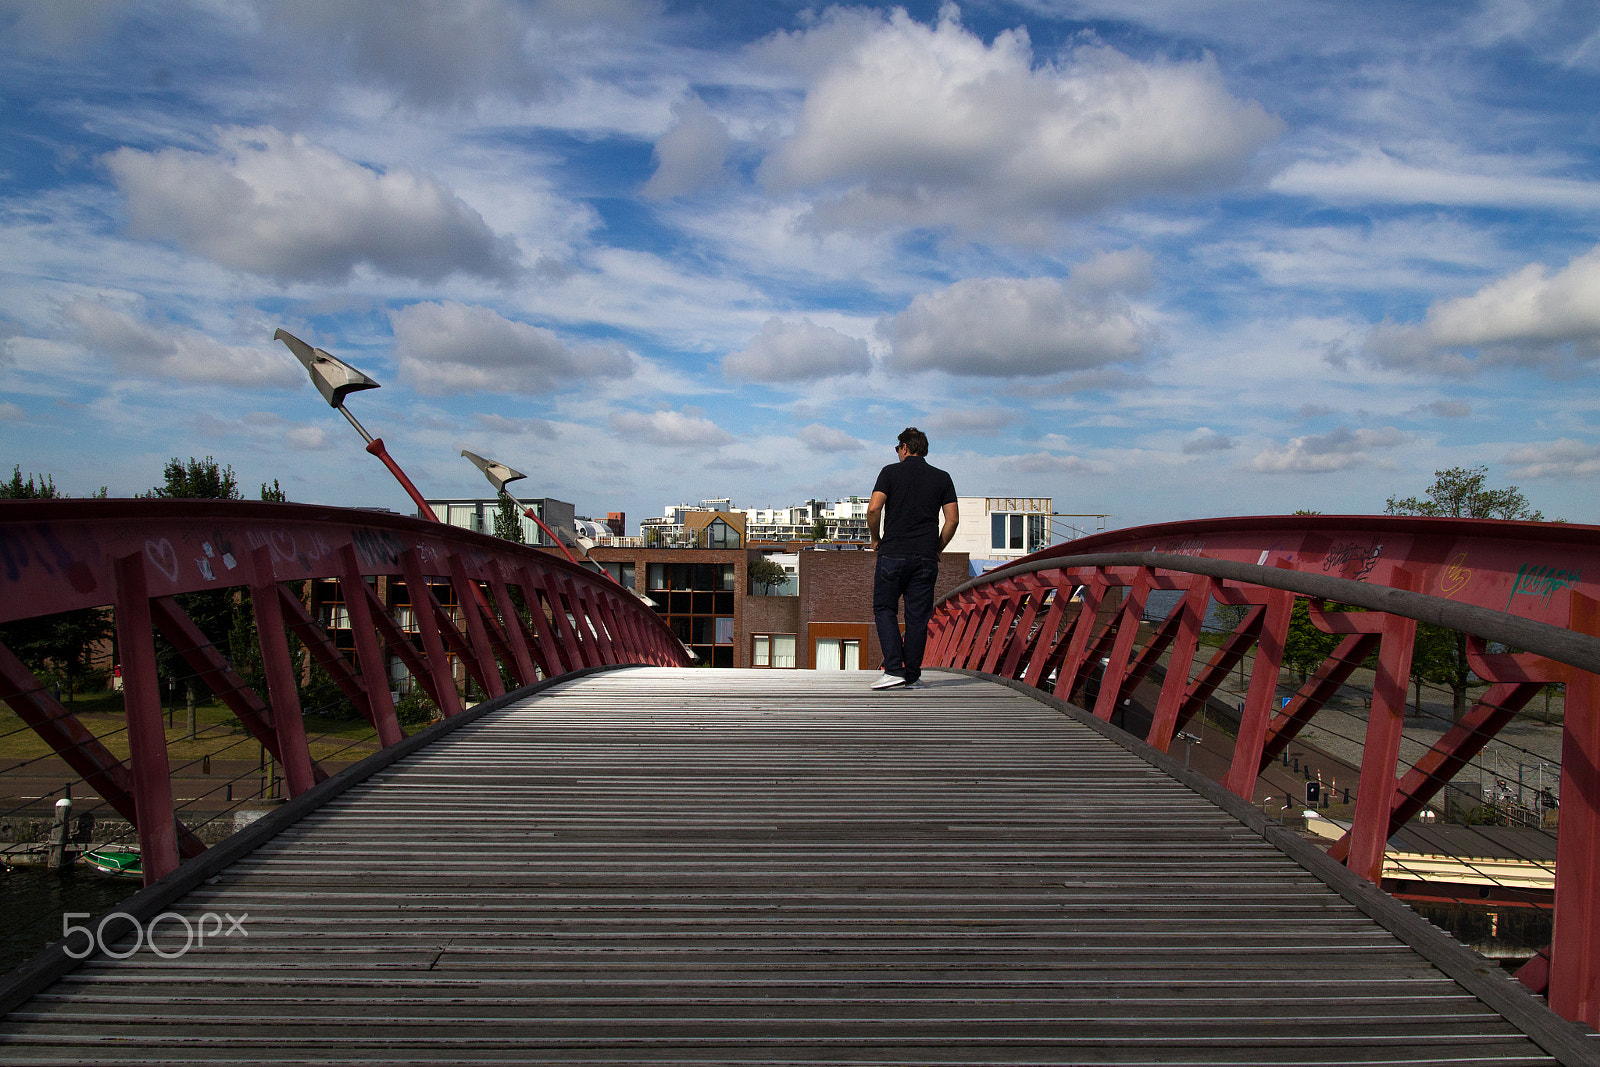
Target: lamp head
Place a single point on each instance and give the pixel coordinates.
(499, 474)
(333, 377)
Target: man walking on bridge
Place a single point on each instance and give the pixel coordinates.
(908, 553)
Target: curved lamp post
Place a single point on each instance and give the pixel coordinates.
(335, 379)
(500, 476)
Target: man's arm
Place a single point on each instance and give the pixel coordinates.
(952, 515)
(875, 516)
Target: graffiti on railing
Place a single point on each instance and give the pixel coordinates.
(1352, 560)
(1455, 576)
(378, 547)
(1542, 582)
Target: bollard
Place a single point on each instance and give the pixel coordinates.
(59, 834)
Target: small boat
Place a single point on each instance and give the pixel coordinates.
(115, 861)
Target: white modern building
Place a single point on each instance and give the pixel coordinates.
(478, 513)
(998, 529)
(845, 520)
(993, 529)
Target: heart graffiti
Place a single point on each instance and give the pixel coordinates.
(164, 559)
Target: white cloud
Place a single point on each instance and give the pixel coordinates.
(458, 348)
(277, 205)
(139, 349)
(1013, 327)
(1531, 305)
(927, 125)
(972, 422)
(1342, 449)
(1375, 176)
(690, 154)
(308, 438)
(670, 429)
(517, 427)
(1443, 409)
(797, 351)
(1565, 458)
(820, 438)
(1529, 317)
(1102, 380)
(1126, 270)
(463, 55)
(1046, 463)
(430, 53)
(1206, 440)
(10, 412)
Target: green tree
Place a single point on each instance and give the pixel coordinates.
(1440, 655)
(819, 529)
(1305, 647)
(274, 492)
(56, 648)
(198, 479)
(17, 489)
(508, 520)
(767, 574)
(214, 612)
(1460, 493)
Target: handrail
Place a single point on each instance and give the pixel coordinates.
(1515, 631)
(1071, 619)
(141, 557)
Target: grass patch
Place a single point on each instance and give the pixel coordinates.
(217, 732)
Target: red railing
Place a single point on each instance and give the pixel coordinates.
(137, 557)
(1068, 619)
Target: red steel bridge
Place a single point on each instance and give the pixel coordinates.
(984, 870)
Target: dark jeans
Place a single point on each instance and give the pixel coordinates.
(913, 578)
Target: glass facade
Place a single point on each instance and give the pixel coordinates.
(622, 572)
(697, 601)
(720, 535)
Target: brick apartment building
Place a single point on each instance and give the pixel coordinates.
(706, 597)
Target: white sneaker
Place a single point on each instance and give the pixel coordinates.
(889, 681)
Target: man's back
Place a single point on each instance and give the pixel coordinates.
(916, 492)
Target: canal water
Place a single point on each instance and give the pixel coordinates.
(1508, 935)
(33, 901)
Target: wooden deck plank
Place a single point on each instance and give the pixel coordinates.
(771, 867)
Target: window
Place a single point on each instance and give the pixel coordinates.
(720, 535)
(697, 601)
(838, 654)
(465, 516)
(1013, 532)
(773, 650)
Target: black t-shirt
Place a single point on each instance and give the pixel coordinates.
(916, 493)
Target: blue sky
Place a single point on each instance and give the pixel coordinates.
(1161, 259)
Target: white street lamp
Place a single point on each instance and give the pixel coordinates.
(335, 379)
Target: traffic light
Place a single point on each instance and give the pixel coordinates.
(1313, 793)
